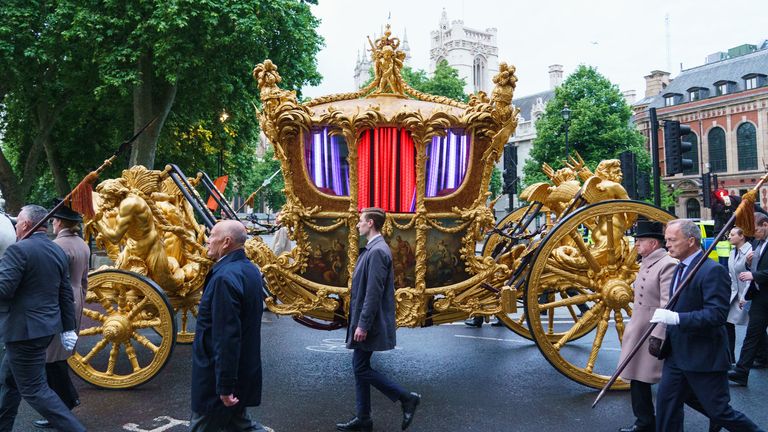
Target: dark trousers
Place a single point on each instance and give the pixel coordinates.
(709, 388)
(731, 329)
(365, 377)
(754, 341)
(233, 419)
(642, 404)
(59, 381)
(22, 375)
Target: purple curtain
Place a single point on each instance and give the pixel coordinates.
(447, 159)
(326, 159)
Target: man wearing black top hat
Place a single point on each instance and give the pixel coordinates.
(651, 289)
(66, 226)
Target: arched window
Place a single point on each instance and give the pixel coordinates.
(693, 155)
(718, 161)
(479, 73)
(692, 209)
(746, 144)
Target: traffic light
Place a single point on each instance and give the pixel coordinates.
(629, 171)
(675, 148)
(706, 189)
(643, 185)
(510, 170)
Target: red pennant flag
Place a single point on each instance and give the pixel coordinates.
(220, 184)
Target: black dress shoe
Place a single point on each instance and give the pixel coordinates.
(409, 409)
(474, 322)
(42, 424)
(714, 427)
(636, 428)
(738, 377)
(356, 424)
(759, 364)
(497, 323)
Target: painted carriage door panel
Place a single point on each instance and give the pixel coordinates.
(387, 170)
(447, 159)
(325, 156)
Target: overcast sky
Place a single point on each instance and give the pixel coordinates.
(624, 39)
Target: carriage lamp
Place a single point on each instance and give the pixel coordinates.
(566, 113)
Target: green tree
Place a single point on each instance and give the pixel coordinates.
(79, 76)
(495, 185)
(599, 127)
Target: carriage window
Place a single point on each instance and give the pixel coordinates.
(447, 159)
(326, 159)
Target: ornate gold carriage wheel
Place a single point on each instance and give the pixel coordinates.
(131, 315)
(517, 322)
(606, 287)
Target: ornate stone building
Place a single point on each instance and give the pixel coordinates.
(474, 53)
(725, 102)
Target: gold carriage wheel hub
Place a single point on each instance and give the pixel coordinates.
(617, 294)
(118, 329)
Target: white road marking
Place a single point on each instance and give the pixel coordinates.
(525, 341)
(172, 423)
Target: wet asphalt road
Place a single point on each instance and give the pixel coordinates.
(486, 379)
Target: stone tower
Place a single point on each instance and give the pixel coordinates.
(474, 53)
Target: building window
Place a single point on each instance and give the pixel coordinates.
(722, 89)
(746, 144)
(693, 154)
(669, 101)
(750, 83)
(718, 162)
(479, 74)
(692, 209)
(694, 95)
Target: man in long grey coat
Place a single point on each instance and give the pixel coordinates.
(372, 324)
(651, 292)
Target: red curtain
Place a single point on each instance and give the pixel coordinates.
(386, 169)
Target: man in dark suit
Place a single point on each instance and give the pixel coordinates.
(696, 359)
(36, 305)
(754, 340)
(372, 324)
(226, 362)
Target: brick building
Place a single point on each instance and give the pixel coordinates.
(725, 102)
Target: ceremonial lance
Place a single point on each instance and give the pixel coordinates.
(80, 197)
(745, 215)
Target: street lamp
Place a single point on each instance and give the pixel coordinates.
(566, 113)
(222, 118)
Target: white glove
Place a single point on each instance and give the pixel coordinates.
(665, 316)
(68, 339)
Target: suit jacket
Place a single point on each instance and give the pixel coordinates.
(79, 256)
(372, 302)
(651, 289)
(35, 294)
(227, 347)
(760, 276)
(700, 342)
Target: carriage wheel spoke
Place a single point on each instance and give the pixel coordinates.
(602, 328)
(122, 299)
(105, 302)
(570, 301)
(608, 220)
(140, 324)
(113, 353)
(95, 350)
(91, 331)
(131, 353)
(145, 342)
(138, 307)
(593, 264)
(569, 276)
(586, 318)
(92, 314)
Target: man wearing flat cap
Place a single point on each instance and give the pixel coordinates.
(651, 292)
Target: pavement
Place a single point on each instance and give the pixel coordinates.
(486, 379)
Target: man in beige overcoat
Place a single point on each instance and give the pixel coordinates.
(651, 292)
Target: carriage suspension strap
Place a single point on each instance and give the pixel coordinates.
(218, 197)
(191, 195)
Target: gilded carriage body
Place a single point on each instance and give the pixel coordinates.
(426, 160)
